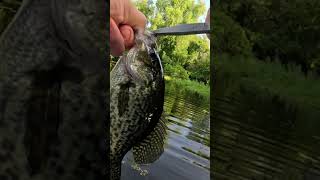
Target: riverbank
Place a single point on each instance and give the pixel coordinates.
(266, 121)
(268, 78)
(193, 86)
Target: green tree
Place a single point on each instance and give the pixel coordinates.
(229, 36)
(180, 54)
(284, 30)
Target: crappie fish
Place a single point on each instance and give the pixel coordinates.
(53, 84)
(136, 105)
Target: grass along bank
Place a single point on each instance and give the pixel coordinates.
(193, 86)
(289, 83)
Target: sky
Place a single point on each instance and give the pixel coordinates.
(203, 17)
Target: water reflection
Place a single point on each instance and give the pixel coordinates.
(263, 137)
(187, 152)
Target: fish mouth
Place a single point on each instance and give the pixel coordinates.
(145, 72)
(143, 63)
(131, 69)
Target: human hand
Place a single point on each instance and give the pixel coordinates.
(124, 20)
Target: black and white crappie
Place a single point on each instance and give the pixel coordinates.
(53, 84)
(137, 98)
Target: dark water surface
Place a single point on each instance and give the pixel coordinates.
(187, 152)
(262, 137)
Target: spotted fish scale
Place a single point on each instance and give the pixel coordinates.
(52, 107)
(137, 96)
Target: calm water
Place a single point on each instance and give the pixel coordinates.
(186, 155)
(260, 137)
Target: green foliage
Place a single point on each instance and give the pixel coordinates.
(229, 36)
(199, 70)
(181, 55)
(284, 30)
(176, 71)
(285, 35)
(288, 83)
(192, 86)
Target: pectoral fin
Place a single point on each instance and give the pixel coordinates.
(151, 148)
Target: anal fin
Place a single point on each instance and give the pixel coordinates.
(150, 148)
